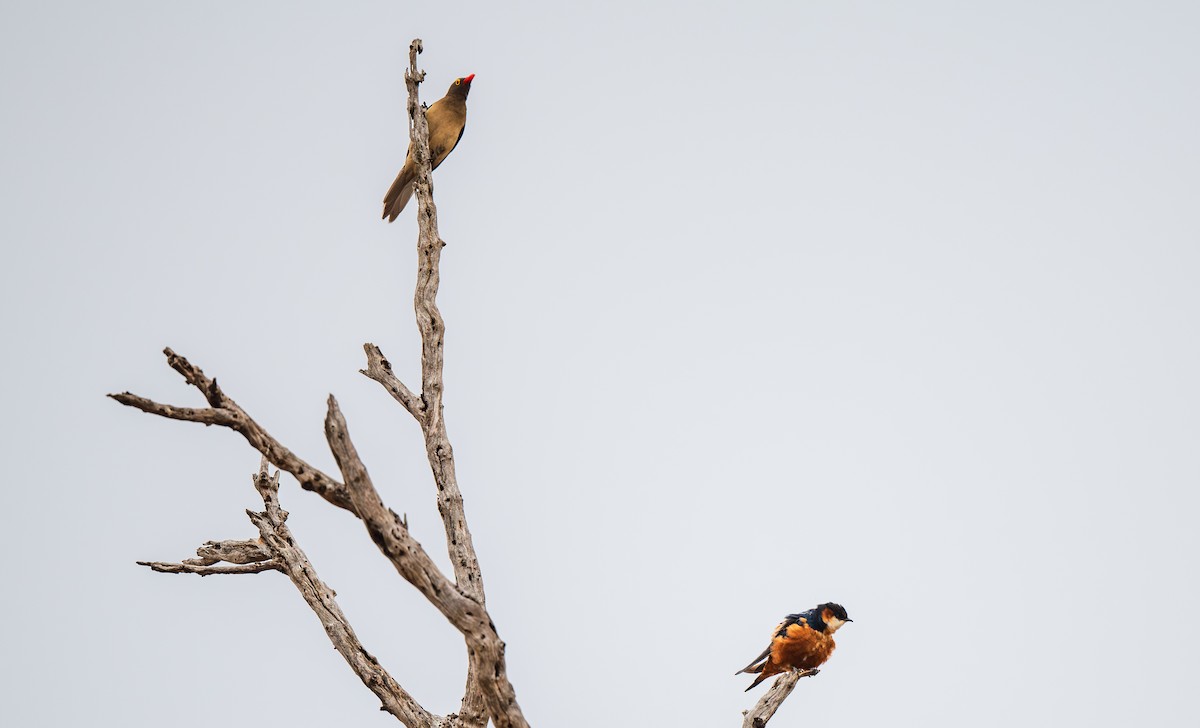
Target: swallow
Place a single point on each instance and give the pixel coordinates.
(802, 641)
(447, 120)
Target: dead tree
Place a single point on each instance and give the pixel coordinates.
(488, 693)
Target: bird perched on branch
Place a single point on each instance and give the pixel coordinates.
(447, 120)
(802, 641)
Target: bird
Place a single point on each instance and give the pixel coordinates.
(447, 120)
(801, 641)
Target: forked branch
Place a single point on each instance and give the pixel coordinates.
(427, 408)
(243, 557)
(223, 411)
(276, 550)
(320, 598)
(428, 412)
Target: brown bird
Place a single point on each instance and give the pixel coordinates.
(447, 120)
(802, 641)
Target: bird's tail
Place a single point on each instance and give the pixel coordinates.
(397, 196)
(757, 664)
(758, 679)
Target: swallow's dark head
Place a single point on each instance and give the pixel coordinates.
(833, 615)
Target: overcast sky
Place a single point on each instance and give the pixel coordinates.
(750, 306)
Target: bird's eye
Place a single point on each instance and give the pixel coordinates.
(457, 81)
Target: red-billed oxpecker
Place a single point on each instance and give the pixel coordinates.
(447, 120)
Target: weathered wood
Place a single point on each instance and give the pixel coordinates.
(276, 549)
(484, 646)
(433, 331)
(320, 598)
(246, 557)
(766, 706)
(166, 567)
(495, 693)
(223, 411)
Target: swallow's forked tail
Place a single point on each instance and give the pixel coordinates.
(757, 664)
(758, 679)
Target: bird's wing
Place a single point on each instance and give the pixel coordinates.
(756, 662)
(447, 122)
(801, 618)
(780, 631)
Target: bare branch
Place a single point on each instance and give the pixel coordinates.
(246, 557)
(320, 598)
(473, 712)
(432, 328)
(276, 550)
(164, 567)
(205, 416)
(384, 526)
(195, 377)
(227, 413)
(380, 369)
(232, 552)
(484, 646)
(762, 712)
(427, 409)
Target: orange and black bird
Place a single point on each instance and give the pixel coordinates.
(447, 120)
(802, 641)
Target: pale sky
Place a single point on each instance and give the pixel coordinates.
(750, 306)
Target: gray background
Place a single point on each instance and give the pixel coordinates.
(750, 306)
